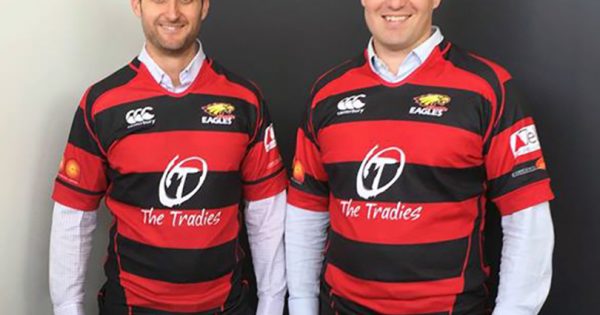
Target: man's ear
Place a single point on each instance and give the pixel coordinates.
(205, 7)
(136, 6)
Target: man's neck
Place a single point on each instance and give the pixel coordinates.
(394, 57)
(173, 64)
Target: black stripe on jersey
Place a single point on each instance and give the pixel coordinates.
(396, 103)
(311, 186)
(522, 175)
(176, 265)
(307, 128)
(111, 298)
(136, 63)
(136, 310)
(220, 189)
(463, 60)
(398, 263)
(79, 135)
(417, 183)
(473, 299)
(337, 72)
(265, 178)
(515, 109)
(172, 114)
(343, 306)
(79, 189)
(119, 78)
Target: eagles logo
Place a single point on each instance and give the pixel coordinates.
(436, 100)
(219, 109)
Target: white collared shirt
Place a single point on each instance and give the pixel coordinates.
(412, 61)
(186, 77)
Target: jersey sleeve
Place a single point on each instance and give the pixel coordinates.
(516, 171)
(81, 181)
(309, 188)
(263, 172)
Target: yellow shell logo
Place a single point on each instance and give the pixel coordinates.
(432, 100)
(298, 172)
(72, 169)
(218, 109)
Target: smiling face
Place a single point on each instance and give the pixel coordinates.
(399, 25)
(171, 26)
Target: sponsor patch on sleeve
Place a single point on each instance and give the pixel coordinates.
(524, 141)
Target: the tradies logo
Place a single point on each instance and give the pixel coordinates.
(391, 158)
(219, 114)
(430, 105)
(351, 105)
(176, 176)
(269, 141)
(140, 117)
(524, 141)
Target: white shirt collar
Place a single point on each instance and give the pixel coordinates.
(414, 59)
(186, 77)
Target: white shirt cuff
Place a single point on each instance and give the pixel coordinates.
(304, 306)
(69, 309)
(270, 305)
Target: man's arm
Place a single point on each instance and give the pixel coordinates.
(526, 263)
(70, 246)
(305, 237)
(265, 223)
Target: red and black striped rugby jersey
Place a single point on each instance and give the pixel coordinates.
(405, 170)
(173, 169)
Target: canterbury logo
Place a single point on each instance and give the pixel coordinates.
(432, 100)
(218, 109)
(352, 102)
(140, 116)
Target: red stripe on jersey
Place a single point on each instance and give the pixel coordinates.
(525, 197)
(179, 229)
(75, 199)
(269, 187)
(82, 169)
(503, 76)
(309, 157)
(218, 84)
(144, 86)
(431, 144)
(402, 223)
(395, 298)
(351, 80)
(306, 201)
(500, 159)
(175, 297)
(152, 152)
(260, 163)
(454, 78)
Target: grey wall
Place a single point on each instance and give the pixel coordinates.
(550, 46)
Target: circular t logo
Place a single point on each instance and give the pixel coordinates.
(181, 170)
(379, 160)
